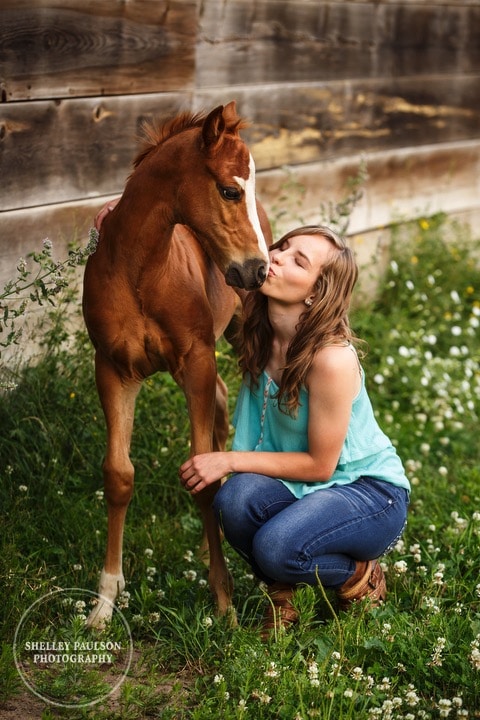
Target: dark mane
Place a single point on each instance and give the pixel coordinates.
(154, 134)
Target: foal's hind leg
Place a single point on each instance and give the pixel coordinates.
(118, 401)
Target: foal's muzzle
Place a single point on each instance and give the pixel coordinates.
(249, 276)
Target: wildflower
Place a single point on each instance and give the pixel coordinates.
(188, 556)
(378, 378)
(385, 684)
(190, 575)
(271, 671)
(154, 617)
(445, 707)
(261, 696)
(123, 600)
(207, 621)
(148, 552)
(151, 571)
(475, 653)
(23, 488)
(80, 606)
(99, 494)
(431, 604)
(456, 330)
(425, 448)
(357, 672)
(348, 693)
(47, 244)
(409, 285)
(218, 679)
(400, 567)
(77, 567)
(437, 652)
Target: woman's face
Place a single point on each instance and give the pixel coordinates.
(295, 268)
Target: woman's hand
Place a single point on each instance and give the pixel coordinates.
(102, 214)
(200, 471)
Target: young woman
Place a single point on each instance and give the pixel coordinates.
(316, 490)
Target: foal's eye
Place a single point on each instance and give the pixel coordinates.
(230, 193)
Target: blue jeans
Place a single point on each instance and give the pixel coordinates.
(293, 541)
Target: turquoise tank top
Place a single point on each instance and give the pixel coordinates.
(367, 452)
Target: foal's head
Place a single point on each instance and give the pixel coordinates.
(214, 177)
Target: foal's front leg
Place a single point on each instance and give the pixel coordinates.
(207, 406)
(118, 401)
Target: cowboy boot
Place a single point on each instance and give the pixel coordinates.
(280, 612)
(368, 581)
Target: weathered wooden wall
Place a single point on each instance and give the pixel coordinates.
(323, 83)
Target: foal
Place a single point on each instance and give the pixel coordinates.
(157, 296)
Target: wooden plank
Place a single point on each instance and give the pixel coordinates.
(439, 177)
(292, 124)
(59, 151)
(301, 41)
(54, 49)
(62, 150)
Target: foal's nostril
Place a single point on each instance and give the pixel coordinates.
(262, 273)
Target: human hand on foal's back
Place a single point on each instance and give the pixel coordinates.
(102, 214)
(200, 471)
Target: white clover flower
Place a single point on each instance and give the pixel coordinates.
(425, 448)
(455, 297)
(404, 351)
(348, 693)
(23, 488)
(271, 671)
(188, 556)
(99, 494)
(409, 285)
(123, 600)
(154, 617)
(385, 684)
(77, 567)
(445, 707)
(378, 378)
(207, 622)
(190, 575)
(442, 470)
(400, 567)
(411, 698)
(151, 571)
(357, 672)
(80, 605)
(218, 679)
(148, 552)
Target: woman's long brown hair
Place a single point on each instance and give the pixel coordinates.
(325, 322)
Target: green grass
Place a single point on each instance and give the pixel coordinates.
(416, 657)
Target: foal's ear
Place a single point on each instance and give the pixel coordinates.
(213, 128)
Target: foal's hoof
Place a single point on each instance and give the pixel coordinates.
(101, 615)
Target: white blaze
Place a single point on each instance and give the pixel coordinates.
(248, 186)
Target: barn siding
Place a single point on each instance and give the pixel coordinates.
(322, 83)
